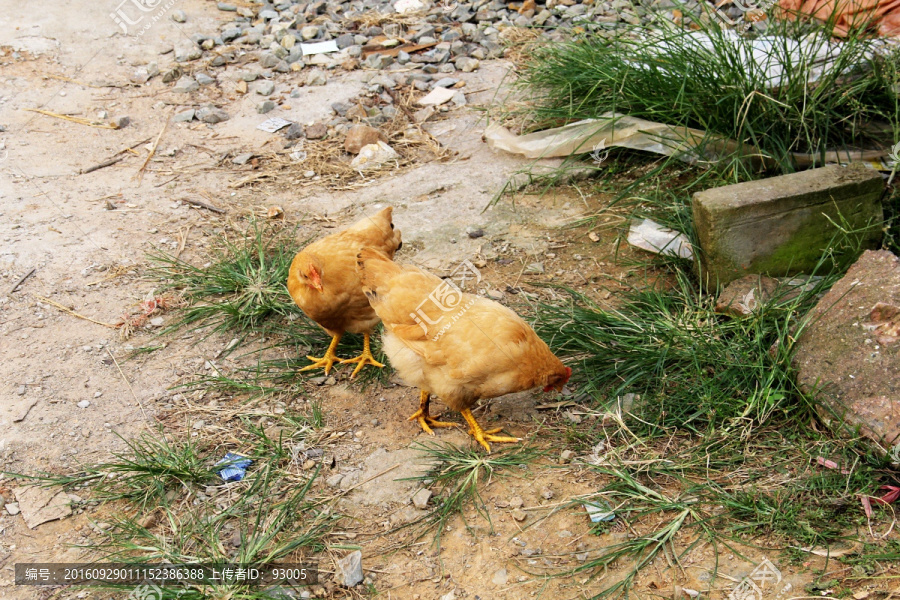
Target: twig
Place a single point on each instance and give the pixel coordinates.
(133, 395)
(133, 146)
(75, 81)
(183, 240)
(105, 163)
(167, 181)
(203, 204)
(73, 313)
(78, 120)
(22, 280)
(403, 107)
(115, 157)
(140, 173)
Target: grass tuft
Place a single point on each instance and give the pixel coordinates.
(690, 367)
(459, 475)
(244, 288)
(177, 510)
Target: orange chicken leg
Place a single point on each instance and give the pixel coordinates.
(424, 419)
(363, 359)
(483, 436)
(326, 361)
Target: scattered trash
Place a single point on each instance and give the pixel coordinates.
(616, 130)
(830, 464)
(893, 493)
(350, 569)
(274, 124)
(437, 96)
(599, 511)
(236, 467)
(373, 156)
(867, 506)
(405, 6)
(275, 212)
(298, 155)
(653, 237)
(319, 47)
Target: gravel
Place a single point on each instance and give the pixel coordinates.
(471, 32)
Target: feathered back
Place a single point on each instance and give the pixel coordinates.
(468, 347)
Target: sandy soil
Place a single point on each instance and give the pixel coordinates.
(71, 59)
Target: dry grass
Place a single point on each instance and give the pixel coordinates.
(331, 163)
(377, 19)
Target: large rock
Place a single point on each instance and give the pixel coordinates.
(782, 225)
(362, 135)
(39, 505)
(850, 353)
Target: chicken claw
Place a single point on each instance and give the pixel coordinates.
(363, 359)
(326, 361)
(484, 436)
(423, 417)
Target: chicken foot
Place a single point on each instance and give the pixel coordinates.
(424, 419)
(326, 361)
(483, 436)
(363, 359)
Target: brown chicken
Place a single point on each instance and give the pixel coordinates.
(459, 346)
(324, 283)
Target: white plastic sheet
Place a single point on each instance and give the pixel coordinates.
(653, 237)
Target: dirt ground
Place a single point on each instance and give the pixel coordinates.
(69, 59)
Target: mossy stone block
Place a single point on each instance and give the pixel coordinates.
(781, 226)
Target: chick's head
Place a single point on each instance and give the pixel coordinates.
(310, 270)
